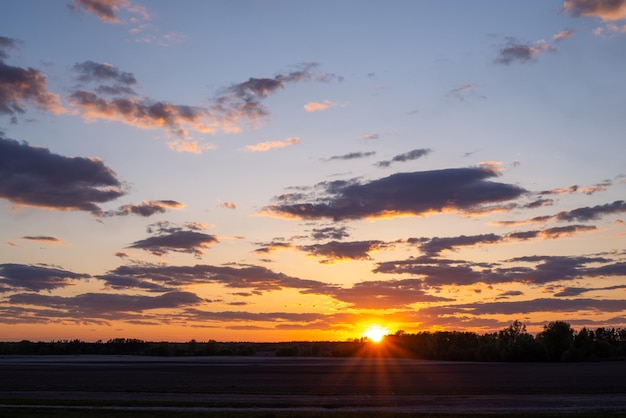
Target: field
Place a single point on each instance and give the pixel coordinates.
(253, 386)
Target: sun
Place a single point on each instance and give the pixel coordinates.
(375, 333)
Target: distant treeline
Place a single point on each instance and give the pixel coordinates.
(557, 342)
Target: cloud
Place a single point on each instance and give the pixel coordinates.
(234, 108)
(461, 92)
(567, 33)
(588, 190)
(335, 251)
(387, 294)
(351, 156)
(19, 85)
(106, 10)
(146, 208)
(436, 245)
(90, 71)
(266, 146)
(607, 10)
(317, 107)
(576, 291)
(106, 305)
(516, 51)
(35, 278)
(525, 307)
(416, 193)
(330, 232)
(534, 270)
(175, 239)
(34, 176)
(371, 136)
(591, 213)
(42, 238)
(227, 205)
(407, 156)
(256, 278)
(5, 45)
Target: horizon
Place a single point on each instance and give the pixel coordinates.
(238, 171)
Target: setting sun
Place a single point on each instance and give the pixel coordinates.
(376, 333)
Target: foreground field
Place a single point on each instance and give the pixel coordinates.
(233, 385)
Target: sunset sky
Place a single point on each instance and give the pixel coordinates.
(246, 170)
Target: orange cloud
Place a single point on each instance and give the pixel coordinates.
(316, 106)
(266, 146)
(568, 33)
(605, 10)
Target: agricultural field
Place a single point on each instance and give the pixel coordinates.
(279, 387)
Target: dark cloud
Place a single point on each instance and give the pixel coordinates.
(330, 232)
(528, 306)
(42, 238)
(120, 282)
(509, 294)
(576, 291)
(604, 9)
(90, 71)
(592, 213)
(558, 231)
(35, 278)
(256, 278)
(105, 9)
(106, 305)
(5, 45)
(277, 318)
(335, 250)
(145, 208)
(436, 245)
(273, 246)
(351, 156)
(387, 294)
(19, 85)
(34, 176)
(416, 193)
(515, 51)
(180, 241)
(534, 270)
(407, 156)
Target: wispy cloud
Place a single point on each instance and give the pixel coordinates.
(145, 208)
(515, 51)
(269, 145)
(108, 10)
(351, 156)
(406, 156)
(43, 239)
(234, 108)
(319, 106)
(567, 33)
(227, 205)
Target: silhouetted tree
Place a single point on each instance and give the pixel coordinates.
(556, 338)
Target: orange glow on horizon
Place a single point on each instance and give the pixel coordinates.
(376, 333)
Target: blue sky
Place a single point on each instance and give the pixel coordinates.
(285, 170)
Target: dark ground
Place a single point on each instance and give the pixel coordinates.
(367, 384)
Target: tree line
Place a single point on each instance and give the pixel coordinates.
(557, 342)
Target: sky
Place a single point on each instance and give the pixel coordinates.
(274, 170)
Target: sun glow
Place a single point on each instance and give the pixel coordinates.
(376, 333)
